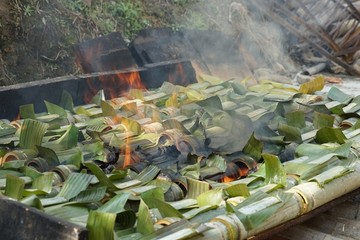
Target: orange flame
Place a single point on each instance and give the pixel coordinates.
(17, 117)
(235, 171)
(178, 77)
(114, 84)
(227, 179)
(127, 160)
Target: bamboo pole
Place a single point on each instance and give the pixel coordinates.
(309, 196)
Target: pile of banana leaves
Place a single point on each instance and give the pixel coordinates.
(213, 159)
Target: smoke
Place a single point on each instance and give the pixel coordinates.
(264, 39)
(256, 41)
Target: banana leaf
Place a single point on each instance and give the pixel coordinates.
(131, 125)
(211, 104)
(184, 204)
(148, 174)
(172, 101)
(196, 211)
(322, 120)
(336, 94)
(93, 150)
(330, 174)
(275, 172)
(67, 141)
(196, 187)
(55, 109)
(280, 95)
(312, 86)
(254, 148)
(254, 210)
(41, 185)
(107, 109)
(164, 208)
(216, 161)
(240, 189)
(90, 195)
(296, 119)
(290, 133)
(352, 108)
(144, 223)
(136, 93)
(330, 135)
(239, 88)
(30, 172)
(308, 149)
(66, 101)
(239, 129)
(178, 230)
(98, 97)
(32, 133)
(211, 197)
(307, 167)
(73, 156)
(101, 225)
(48, 154)
(74, 184)
(6, 129)
(191, 171)
(151, 194)
(27, 111)
(210, 79)
(125, 218)
(14, 187)
(67, 212)
(15, 164)
(335, 107)
(100, 175)
(4, 172)
(32, 201)
(164, 184)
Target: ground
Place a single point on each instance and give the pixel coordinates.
(37, 36)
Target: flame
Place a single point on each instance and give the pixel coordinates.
(113, 83)
(178, 76)
(127, 160)
(227, 179)
(17, 117)
(235, 171)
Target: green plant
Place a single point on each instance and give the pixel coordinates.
(28, 10)
(129, 14)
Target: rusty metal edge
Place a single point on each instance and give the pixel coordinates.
(275, 230)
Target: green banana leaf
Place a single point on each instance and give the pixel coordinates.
(66, 101)
(330, 135)
(312, 86)
(211, 197)
(32, 133)
(275, 172)
(55, 109)
(144, 224)
(27, 111)
(101, 225)
(14, 187)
